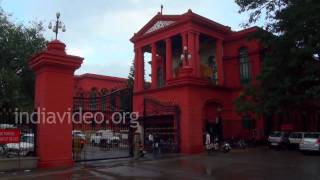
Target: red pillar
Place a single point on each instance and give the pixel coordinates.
(168, 59)
(139, 70)
(54, 71)
(191, 50)
(136, 69)
(219, 56)
(197, 55)
(184, 44)
(154, 65)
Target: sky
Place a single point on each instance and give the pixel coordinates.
(99, 30)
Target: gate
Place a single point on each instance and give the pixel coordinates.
(161, 120)
(101, 127)
(17, 139)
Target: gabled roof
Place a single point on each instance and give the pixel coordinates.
(161, 22)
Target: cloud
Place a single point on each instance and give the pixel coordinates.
(80, 51)
(100, 31)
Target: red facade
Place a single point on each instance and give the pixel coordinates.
(199, 66)
(86, 83)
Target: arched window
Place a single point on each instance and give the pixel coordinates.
(93, 99)
(245, 70)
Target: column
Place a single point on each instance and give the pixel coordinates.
(197, 55)
(139, 70)
(136, 70)
(54, 90)
(219, 59)
(154, 66)
(191, 50)
(168, 60)
(184, 44)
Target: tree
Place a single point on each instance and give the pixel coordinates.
(290, 77)
(17, 44)
(131, 76)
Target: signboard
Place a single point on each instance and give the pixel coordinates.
(9, 136)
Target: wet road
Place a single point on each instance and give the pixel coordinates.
(260, 163)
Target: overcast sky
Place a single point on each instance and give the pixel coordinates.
(99, 30)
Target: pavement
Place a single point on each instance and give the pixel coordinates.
(251, 163)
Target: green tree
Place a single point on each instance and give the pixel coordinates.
(17, 44)
(131, 76)
(290, 77)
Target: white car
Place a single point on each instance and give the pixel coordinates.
(278, 139)
(310, 142)
(79, 133)
(24, 148)
(104, 138)
(295, 138)
(7, 126)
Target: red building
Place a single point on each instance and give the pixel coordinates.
(87, 83)
(198, 68)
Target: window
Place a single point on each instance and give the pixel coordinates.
(93, 99)
(113, 102)
(104, 99)
(245, 70)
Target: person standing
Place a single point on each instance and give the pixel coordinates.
(150, 140)
(208, 140)
(78, 145)
(137, 145)
(155, 146)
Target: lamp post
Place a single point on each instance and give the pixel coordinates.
(56, 25)
(185, 56)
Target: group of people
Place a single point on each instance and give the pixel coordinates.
(209, 140)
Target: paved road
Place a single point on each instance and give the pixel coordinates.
(256, 164)
(95, 152)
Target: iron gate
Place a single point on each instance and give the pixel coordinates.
(101, 127)
(161, 120)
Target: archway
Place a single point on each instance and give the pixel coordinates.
(212, 119)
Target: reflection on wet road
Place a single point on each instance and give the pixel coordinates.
(260, 163)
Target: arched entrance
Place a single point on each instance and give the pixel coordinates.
(212, 119)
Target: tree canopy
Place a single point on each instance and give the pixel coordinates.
(290, 77)
(17, 44)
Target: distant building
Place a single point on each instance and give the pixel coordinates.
(87, 83)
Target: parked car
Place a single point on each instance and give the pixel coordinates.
(278, 139)
(310, 142)
(24, 148)
(104, 138)
(295, 139)
(3, 149)
(7, 126)
(79, 133)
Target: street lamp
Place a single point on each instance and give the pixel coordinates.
(185, 55)
(56, 25)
